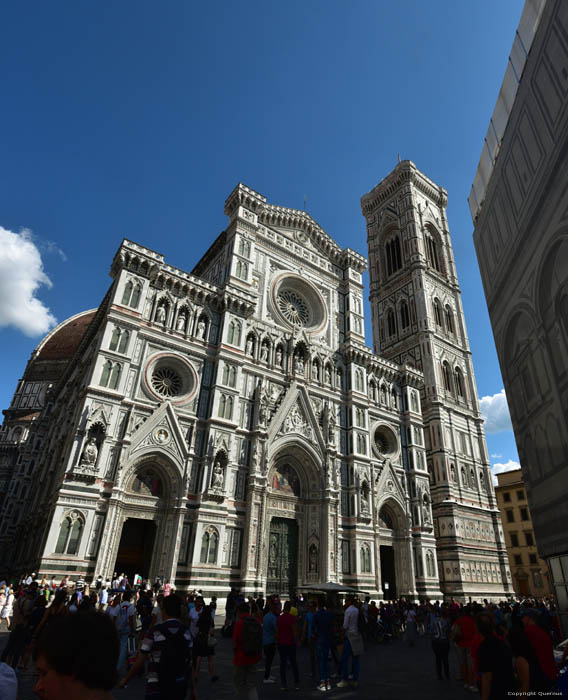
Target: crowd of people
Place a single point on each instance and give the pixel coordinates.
(150, 628)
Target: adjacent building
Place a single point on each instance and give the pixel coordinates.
(529, 572)
(519, 205)
(230, 427)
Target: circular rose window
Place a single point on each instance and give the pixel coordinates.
(171, 377)
(385, 442)
(297, 303)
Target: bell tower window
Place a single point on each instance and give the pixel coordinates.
(393, 255)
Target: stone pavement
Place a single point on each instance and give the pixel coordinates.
(390, 671)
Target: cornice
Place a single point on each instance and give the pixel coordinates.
(405, 172)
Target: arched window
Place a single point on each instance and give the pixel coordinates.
(447, 376)
(449, 317)
(432, 253)
(452, 473)
(209, 543)
(115, 338)
(359, 380)
(234, 335)
(244, 248)
(361, 444)
(365, 555)
(393, 255)
(105, 374)
(123, 345)
(404, 315)
(241, 269)
(372, 391)
(127, 293)
(226, 406)
(437, 312)
(135, 296)
(391, 322)
(115, 376)
(458, 378)
(229, 375)
(70, 535)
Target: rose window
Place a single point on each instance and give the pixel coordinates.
(166, 381)
(385, 441)
(293, 307)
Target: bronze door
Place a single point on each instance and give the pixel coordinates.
(282, 557)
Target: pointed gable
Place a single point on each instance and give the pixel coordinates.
(161, 431)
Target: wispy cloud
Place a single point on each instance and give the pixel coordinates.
(52, 247)
(494, 455)
(496, 413)
(21, 276)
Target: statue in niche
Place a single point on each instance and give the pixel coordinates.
(426, 518)
(264, 352)
(180, 326)
(161, 314)
(250, 346)
(298, 364)
(263, 410)
(313, 559)
(327, 375)
(331, 426)
(218, 474)
(279, 356)
(365, 499)
(201, 329)
(90, 453)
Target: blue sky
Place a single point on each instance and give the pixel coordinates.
(136, 119)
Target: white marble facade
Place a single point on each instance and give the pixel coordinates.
(230, 427)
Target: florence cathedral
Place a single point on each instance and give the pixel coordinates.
(229, 427)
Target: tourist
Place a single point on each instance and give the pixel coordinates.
(8, 683)
(495, 662)
(307, 636)
(247, 647)
(124, 617)
(18, 633)
(440, 631)
(76, 658)
(287, 638)
(462, 634)
(204, 642)
(269, 641)
(167, 648)
(6, 607)
(352, 645)
(411, 626)
(322, 631)
(541, 645)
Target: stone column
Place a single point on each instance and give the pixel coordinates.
(178, 517)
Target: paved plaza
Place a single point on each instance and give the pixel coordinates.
(390, 671)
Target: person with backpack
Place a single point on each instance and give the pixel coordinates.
(167, 649)
(124, 617)
(247, 648)
(287, 638)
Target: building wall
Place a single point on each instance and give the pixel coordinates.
(521, 240)
(529, 571)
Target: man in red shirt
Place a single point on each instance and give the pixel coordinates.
(465, 627)
(541, 644)
(243, 664)
(286, 637)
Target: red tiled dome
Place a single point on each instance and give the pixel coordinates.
(64, 339)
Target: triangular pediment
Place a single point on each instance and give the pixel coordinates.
(295, 416)
(160, 431)
(389, 483)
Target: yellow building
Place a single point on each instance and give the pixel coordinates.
(529, 572)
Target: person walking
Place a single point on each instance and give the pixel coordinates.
(440, 631)
(353, 644)
(287, 638)
(322, 631)
(269, 641)
(308, 637)
(495, 661)
(463, 632)
(541, 645)
(204, 642)
(167, 649)
(124, 617)
(247, 647)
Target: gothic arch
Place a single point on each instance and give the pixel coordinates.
(303, 459)
(165, 467)
(394, 511)
(552, 277)
(434, 248)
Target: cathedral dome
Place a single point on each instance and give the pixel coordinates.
(62, 342)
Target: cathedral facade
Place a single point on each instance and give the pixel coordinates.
(230, 427)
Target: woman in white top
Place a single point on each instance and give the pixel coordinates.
(7, 607)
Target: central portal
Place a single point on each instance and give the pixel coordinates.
(282, 572)
(136, 548)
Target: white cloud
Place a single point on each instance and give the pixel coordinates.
(500, 467)
(494, 455)
(496, 413)
(21, 275)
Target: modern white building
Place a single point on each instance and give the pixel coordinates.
(229, 426)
